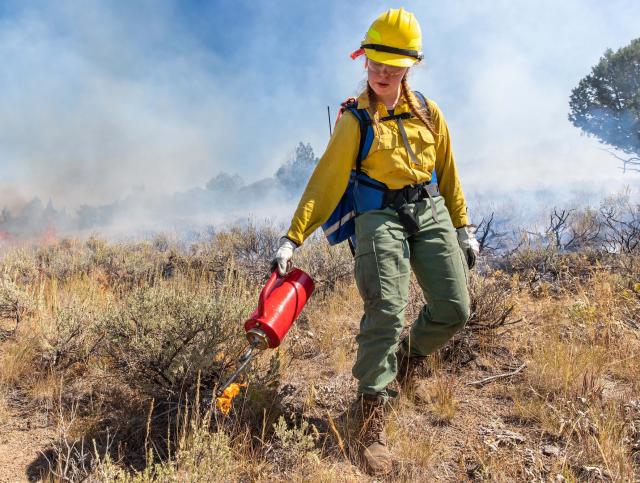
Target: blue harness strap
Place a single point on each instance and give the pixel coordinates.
(341, 224)
(363, 193)
(366, 134)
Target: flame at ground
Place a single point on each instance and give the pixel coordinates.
(223, 403)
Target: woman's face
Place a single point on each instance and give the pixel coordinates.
(384, 79)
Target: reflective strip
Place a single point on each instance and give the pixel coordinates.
(333, 228)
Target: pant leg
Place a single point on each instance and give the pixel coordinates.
(443, 275)
(382, 271)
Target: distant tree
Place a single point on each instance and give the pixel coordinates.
(5, 216)
(606, 103)
(224, 182)
(95, 216)
(293, 174)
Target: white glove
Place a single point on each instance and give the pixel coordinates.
(469, 244)
(284, 254)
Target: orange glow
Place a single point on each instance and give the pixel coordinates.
(223, 403)
(49, 236)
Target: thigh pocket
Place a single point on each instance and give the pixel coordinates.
(366, 271)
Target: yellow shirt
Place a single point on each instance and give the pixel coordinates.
(388, 161)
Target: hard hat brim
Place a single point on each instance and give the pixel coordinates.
(395, 60)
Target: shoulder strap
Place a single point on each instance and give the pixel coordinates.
(366, 134)
(366, 130)
(423, 99)
(402, 115)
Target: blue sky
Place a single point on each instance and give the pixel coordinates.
(101, 97)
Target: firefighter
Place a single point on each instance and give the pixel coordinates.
(416, 229)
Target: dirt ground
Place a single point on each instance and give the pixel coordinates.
(23, 438)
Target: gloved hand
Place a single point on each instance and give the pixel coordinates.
(469, 244)
(284, 254)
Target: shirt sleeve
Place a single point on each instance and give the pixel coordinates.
(328, 180)
(448, 180)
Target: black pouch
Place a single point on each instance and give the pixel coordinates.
(399, 200)
(408, 219)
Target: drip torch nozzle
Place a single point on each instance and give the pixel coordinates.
(243, 360)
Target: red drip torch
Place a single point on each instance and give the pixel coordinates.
(280, 303)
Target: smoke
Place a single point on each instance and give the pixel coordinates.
(96, 102)
(122, 112)
(225, 199)
(506, 96)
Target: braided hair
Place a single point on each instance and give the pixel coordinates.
(415, 106)
(417, 109)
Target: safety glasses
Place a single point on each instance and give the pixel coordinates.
(389, 70)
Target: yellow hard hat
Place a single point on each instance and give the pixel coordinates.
(394, 38)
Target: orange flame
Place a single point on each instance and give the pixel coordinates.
(223, 403)
(49, 236)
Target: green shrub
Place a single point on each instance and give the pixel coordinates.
(293, 446)
(161, 337)
(15, 301)
(71, 337)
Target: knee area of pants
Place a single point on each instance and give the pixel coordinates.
(378, 336)
(454, 314)
(464, 312)
(388, 307)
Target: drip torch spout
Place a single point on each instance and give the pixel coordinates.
(243, 360)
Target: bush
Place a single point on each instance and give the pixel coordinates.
(293, 446)
(493, 306)
(162, 337)
(71, 338)
(493, 301)
(327, 265)
(15, 302)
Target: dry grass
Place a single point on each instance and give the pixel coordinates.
(4, 409)
(417, 448)
(437, 396)
(16, 360)
(108, 331)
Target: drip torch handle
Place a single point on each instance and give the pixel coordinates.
(266, 291)
(243, 360)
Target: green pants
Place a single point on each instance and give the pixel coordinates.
(383, 259)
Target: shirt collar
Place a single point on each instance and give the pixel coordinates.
(401, 106)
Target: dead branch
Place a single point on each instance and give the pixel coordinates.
(489, 379)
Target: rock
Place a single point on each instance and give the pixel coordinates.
(593, 473)
(550, 450)
(494, 438)
(560, 478)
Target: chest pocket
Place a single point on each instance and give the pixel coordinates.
(426, 149)
(386, 137)
(388, 143)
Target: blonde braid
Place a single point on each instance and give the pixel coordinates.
(417, 109)
(373, 112)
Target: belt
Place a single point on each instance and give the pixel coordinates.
(401, 198)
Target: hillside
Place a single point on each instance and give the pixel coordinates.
(109, 354)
